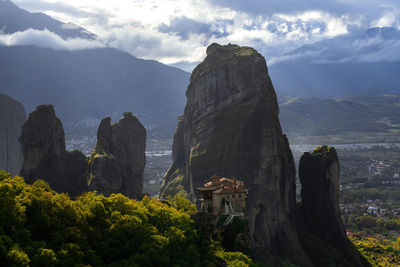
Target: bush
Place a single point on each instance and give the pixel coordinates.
(16, 257)
(379, 252)
(39, 227)
(366, 222)
(392, 225)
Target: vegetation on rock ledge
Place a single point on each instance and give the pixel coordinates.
(323, 151)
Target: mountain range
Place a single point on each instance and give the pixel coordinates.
(87, 84)
(357, 64)
(314, 116)
(327, 87)
(14, 19)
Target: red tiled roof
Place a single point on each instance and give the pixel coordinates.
(224, 185)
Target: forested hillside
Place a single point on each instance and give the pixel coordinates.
(39, 227)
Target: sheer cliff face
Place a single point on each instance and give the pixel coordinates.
(117, 163)
(43, 145)
(12, 117)
(319, 175)
(230, 127)
(45, 156)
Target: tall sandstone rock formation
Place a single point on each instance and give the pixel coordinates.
(45, 156)
(117, 163)
(230, 128)
(12, 117)
(320, 214)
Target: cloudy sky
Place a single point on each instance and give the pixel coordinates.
(178, 31)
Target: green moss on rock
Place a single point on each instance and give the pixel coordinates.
(245, 51)
(225, 53)
(323, 151)
(175, 185)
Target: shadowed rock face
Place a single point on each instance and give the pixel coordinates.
(12, 117)
(230, 127)
(319, 175)
(45, 156)
(117, 163)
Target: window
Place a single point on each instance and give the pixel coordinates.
(240, 196)
(233, 196)
(227, 197)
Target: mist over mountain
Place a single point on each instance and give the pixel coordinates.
(14, 19)
(85, 80)
(86, 84)
(356, 64)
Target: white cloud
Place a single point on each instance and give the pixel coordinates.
(385, 50)
(273, 28)
(390, 52)
(335, 25)
(263, 33)
(377, 45)
(148, 43)
(70, 26)
(389, 18)
(47, 39)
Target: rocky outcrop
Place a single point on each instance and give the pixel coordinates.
(45, 156)
(320, 214)
(230, 128)
(117, 162)
(12, 117)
